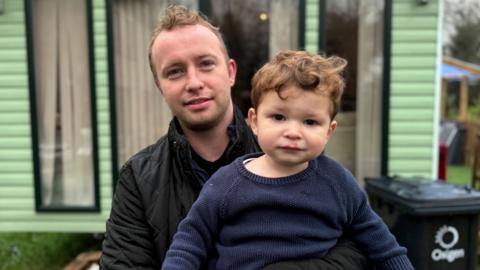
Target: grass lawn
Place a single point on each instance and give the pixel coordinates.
(459, 175)
(39, 251)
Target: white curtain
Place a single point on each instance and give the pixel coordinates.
(283, 26)
(369, 89)
(63, 102)
(142, 115)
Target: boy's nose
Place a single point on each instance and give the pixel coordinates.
(293, 131)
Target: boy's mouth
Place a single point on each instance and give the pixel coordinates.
(291, 147)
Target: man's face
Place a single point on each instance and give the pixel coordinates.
(194, 76)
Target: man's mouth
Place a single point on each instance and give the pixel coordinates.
(197, 101)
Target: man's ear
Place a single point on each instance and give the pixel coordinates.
(232, 71)
(332, 128)
(252, 118)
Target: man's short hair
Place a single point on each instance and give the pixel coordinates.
(307, 71)
(177, 16)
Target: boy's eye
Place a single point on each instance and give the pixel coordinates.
(278, 117)
(310, 122)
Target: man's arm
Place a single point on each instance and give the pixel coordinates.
(128, 241)
(343, 256)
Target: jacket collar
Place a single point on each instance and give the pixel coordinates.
(241, 138)
(238, 131)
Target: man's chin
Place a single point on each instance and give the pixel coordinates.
(204, 120)
(201, 123)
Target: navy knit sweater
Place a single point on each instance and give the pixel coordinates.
(244, 221)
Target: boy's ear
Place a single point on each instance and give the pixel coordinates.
(252, 118)
(331, 128)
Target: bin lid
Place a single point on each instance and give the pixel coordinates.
(425, 196)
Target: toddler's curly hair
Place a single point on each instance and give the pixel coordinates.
(310, 72)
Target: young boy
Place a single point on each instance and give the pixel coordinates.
(291, 202)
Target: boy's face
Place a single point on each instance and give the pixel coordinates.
(293, 130)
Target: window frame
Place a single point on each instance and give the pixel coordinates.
(243, 78)
(112, 101)
(387, 42)
(39, 207)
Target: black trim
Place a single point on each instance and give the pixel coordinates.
(387, 33)
(93, 106)
(322, 35)
(205, 7)
(33, 114)
(33, 102)
(111, 94)
(301, 24)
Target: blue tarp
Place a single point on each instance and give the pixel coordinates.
(456, 73)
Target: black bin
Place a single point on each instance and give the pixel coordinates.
(437, 222)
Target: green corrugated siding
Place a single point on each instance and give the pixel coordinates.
(17, 203)
(16, 166)
(413, 88)
(103, 118)
(414, 52)
(311, 25)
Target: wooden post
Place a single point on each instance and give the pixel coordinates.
(443, 107)
(462, 116)
(476, 163)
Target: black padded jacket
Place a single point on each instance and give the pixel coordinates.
(155, 190)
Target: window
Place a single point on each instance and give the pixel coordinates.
(354, 30)
(254, 31)
(62, 100)
(341, 23)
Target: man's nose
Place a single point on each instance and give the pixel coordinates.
(193, 81)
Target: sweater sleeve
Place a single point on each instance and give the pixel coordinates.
(195, 235)
(370, 232)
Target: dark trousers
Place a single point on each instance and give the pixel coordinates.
(344, 256)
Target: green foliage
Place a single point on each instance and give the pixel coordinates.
(28, 251)
(459, 175)
(452, 103)
(474, 111)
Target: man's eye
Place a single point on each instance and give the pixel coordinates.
(310, 122)
(207, 64)
(278, 117)
(174, 73)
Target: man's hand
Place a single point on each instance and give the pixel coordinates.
(344, 256)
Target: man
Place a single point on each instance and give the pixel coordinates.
(157, 186)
